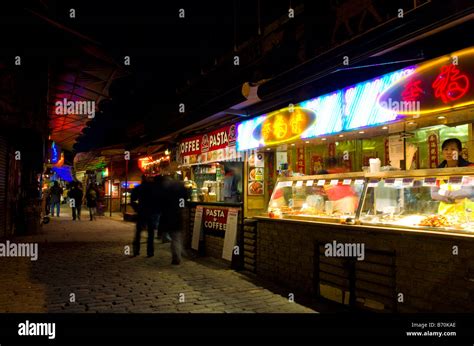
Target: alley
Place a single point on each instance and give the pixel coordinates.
(82, 267)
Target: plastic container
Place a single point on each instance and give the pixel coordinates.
(375, 165)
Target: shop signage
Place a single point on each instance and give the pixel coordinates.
(230, 238)
(433, 148)
(54, 153)
(300, 162)
(214, 220)
(437, 85)
(455, 180)
(285, 125)
(429, 182)
(343, 110)
(218, 145)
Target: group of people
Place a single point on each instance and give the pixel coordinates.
(159, 203)
(76, 200)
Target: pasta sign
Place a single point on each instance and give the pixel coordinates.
(215, 220)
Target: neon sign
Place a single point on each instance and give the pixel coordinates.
(412, 91)
(343, 110)
(435, 86)
(284, 125)
(54, 153)
(450, 85)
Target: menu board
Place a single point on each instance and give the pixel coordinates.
(256, 180)
(256, 173)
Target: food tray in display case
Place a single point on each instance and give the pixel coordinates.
(330, 197)
(432, 199)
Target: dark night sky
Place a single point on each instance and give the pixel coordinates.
(160, 44)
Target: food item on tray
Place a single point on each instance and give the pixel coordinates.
(256, 188)
(285, 209)
(275, 213)
(435, 221)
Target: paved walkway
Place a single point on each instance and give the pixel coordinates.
(84, 261)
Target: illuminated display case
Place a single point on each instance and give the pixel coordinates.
(329, 197)
(431, 199)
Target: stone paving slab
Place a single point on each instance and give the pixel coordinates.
(85, 260)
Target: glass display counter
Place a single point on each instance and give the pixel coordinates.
(329, 197)
(432, 199)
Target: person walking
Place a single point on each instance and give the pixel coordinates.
(144, 199)
(55, 194)
(91, 198)
(75, 197)
(158, 181)
(172, 198)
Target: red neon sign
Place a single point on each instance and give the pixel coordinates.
(434, 86)
(412, 90)
(450, 85)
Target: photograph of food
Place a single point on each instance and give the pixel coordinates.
(256, 188)
(256, 174)
(251, 160)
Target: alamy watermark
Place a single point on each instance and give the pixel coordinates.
(68, 107)
(28, 328)
(8, 249)
(336, 249)
(401, 106)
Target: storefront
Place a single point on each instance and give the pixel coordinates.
(213, 171)
(360, 214)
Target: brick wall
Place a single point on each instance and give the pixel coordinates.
(427, 273)
(214, 246)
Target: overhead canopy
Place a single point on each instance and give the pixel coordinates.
(79, 79)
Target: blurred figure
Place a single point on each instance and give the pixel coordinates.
(173, 198)
(91, 198)
(47, 196)
(55, 195)
(333, 165)
(144, 200)
(76, 196)
(165, 236)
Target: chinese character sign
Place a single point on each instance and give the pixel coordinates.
(284, 125)
(450, 84)
(433, 86)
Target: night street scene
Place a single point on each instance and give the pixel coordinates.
(288, 159)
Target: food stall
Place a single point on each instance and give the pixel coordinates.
(378, 227)
(213, 170)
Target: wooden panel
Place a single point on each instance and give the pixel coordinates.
(3, 182)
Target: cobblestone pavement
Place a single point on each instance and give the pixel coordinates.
(85, 260)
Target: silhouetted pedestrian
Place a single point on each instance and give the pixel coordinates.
(173, 197)
(55, 194)
(76, 196)
(144, 200)
(91, 198)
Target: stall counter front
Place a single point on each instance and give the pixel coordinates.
(410, 247)
(214, 229)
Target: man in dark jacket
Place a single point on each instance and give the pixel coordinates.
(76, 195)
(173, 197)
(55, 192)
(144, 200)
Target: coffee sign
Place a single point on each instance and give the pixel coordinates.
(215, 140)
(215, 220)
